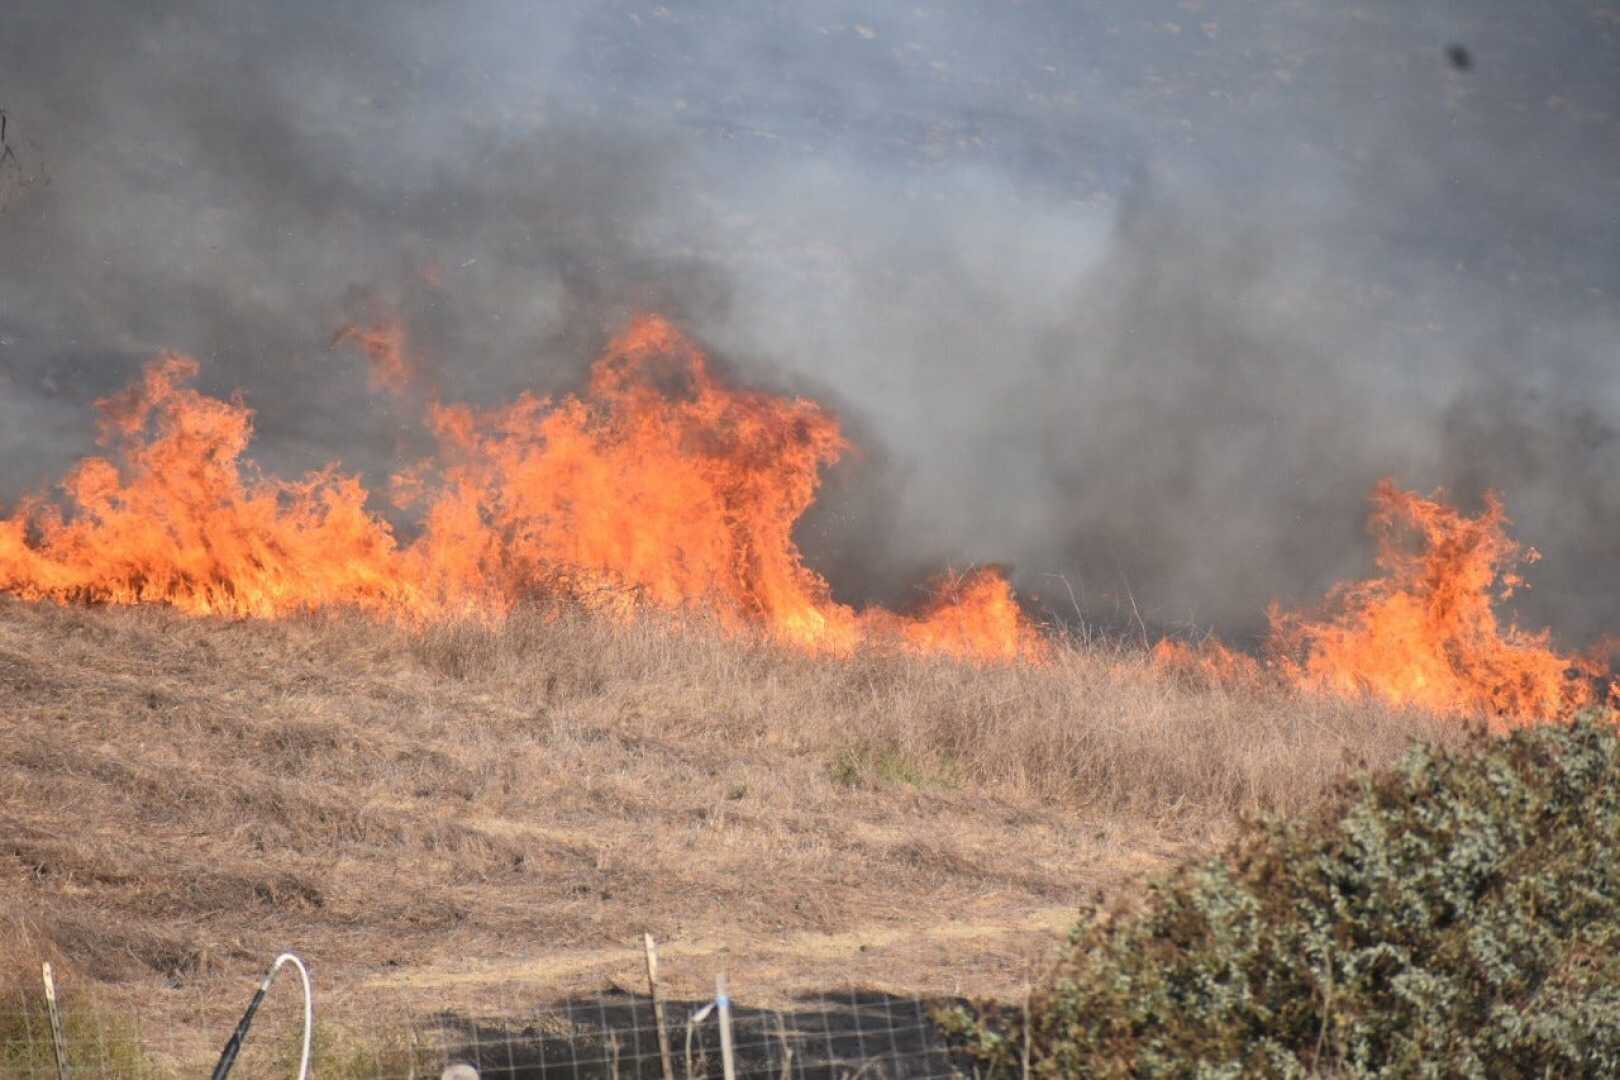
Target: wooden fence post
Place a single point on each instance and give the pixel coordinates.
(658, 1006)
(727, 1058)
(58, 1040)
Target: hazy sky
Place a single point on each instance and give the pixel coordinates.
(1128, 291)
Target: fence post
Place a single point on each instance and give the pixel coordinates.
(787, 1048)
(658, 1006)
(58, 1041)
(727, 1059)
(1027, 1032)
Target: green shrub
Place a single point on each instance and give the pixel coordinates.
(1457, 915)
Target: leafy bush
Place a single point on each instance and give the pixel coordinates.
(1457, 915)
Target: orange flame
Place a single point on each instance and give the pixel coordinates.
(178, 524)
(658, 485)
(1208, 663)
(969, 615)
(1424, 633)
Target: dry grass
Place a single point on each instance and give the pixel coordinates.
(440, 817)
(1097, 730)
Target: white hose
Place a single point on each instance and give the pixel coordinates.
(309, 1006)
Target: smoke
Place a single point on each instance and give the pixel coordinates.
(237, 185)
(1140, 297)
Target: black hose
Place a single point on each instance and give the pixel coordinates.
(233, 1046)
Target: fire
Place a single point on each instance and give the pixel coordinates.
(659, 479)
(1208, 663)
(659, 485)
(1425, 633)
(970, 615)
(177, 523)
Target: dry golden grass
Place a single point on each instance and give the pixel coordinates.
(1098, 729)
(435, 819)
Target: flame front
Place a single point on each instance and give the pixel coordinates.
(177, 523)
(1424, 633)
(658, 485)
(661, 486)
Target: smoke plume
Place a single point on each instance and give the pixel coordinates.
(1140, 298)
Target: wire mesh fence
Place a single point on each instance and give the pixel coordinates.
(614, 1033)
(858, 1033)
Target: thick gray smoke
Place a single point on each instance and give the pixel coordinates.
(1143, 295)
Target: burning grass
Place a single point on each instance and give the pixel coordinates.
(659, 489)
(658, 486)
(1425, 632)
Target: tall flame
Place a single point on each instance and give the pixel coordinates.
(1423, 633)
(659, 484)
(177, 523)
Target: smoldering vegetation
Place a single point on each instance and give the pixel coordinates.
(1138, 298)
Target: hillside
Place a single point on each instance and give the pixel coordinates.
(471, 818)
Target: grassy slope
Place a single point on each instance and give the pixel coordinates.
(470, 819)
